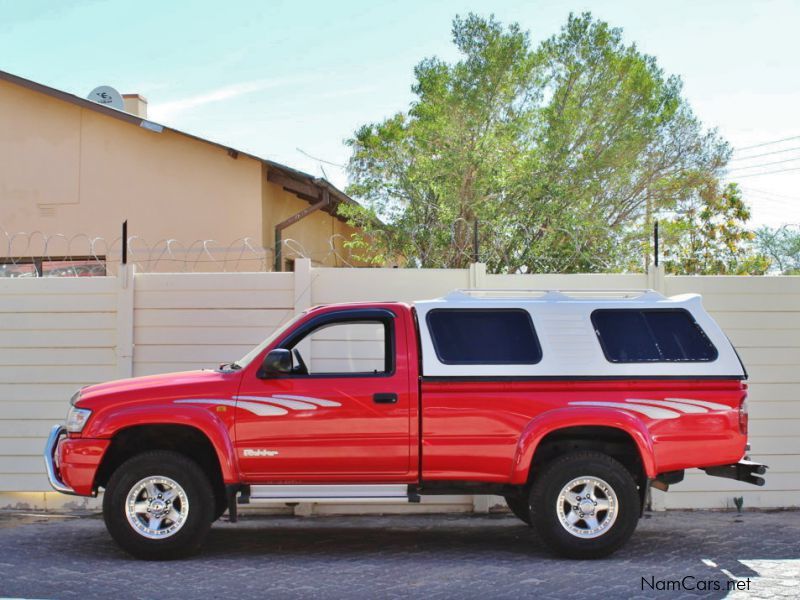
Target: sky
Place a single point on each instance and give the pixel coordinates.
(290, 81)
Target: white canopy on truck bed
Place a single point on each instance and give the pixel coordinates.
(572, 334)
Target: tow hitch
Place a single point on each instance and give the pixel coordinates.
(744, 470)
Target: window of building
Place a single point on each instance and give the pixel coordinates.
(656, 335)
(484, 336)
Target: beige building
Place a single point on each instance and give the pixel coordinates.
(74, 167)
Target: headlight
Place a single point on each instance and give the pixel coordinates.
(76, 419)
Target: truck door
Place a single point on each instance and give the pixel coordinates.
(342, 414)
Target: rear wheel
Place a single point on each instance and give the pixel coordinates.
(159, 505)
(584, 505)
(518, 505)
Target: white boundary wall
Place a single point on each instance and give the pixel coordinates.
(59, 334)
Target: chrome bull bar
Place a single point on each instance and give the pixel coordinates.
(50, 462)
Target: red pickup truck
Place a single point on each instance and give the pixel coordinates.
(570, 405)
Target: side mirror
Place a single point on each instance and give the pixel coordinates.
(276, 362)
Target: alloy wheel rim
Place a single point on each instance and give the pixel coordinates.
(157, 507)
(587, 507)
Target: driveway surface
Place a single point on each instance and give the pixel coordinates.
(672, 555)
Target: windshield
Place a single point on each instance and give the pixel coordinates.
(248, 358)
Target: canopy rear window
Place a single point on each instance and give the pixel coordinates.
(656, 335)
(484, 337)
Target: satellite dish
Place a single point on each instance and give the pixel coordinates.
(107, 95)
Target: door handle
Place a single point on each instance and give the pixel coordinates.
(387, 398)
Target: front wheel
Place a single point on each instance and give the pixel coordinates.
(159, 505)
(584, 505)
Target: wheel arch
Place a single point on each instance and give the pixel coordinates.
(591, 428)
(189, 440)
(111, 424)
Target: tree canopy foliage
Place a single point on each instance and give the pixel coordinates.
(782, 246)
(561, 151)
(708, 236)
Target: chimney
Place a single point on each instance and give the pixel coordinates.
(135, 104)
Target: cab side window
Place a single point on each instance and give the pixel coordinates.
(345, 348)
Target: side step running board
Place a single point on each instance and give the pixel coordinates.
(329, 493)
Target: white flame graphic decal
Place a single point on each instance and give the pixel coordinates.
(267, 406)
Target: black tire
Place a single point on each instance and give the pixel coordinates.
(518, 505)
(220, 506)
(547, 487)
(200, 512)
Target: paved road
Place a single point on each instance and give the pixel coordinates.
(406, 557)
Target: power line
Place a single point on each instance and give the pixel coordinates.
(321, 160)
(751, 189)
(788, 203)
(794, 137)
(773, 201)
(766, 154)
(766, 164)
(767, 173)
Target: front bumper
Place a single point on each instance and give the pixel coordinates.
(72, 463)
(744, 470)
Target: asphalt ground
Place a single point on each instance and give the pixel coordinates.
(677, 554)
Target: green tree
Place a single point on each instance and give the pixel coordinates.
(708, 236)
(782, 246)
(559, 151)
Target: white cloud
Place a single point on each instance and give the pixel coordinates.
(167, 111)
